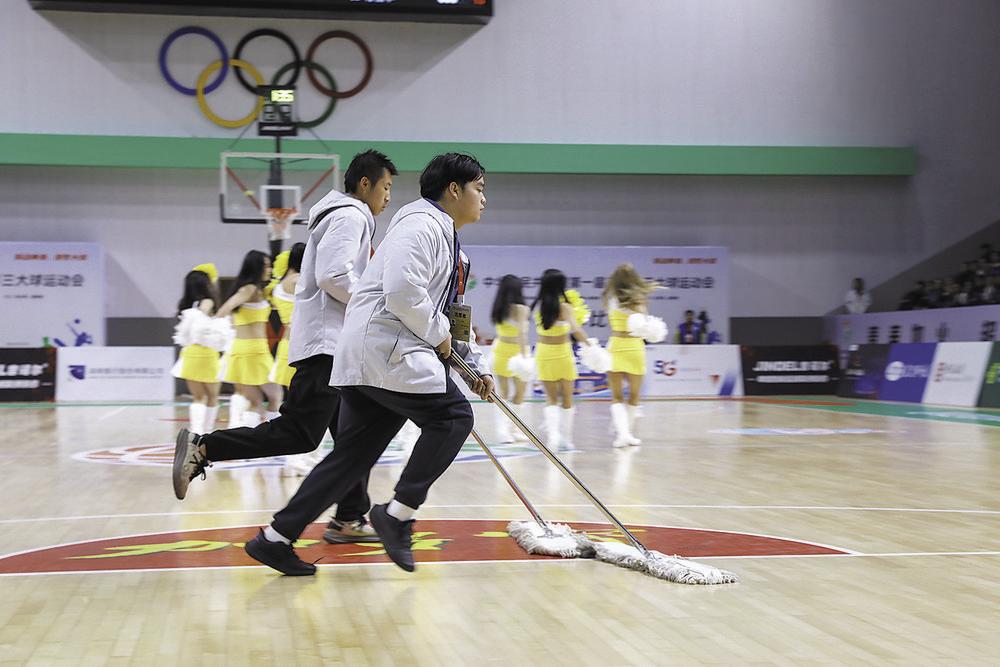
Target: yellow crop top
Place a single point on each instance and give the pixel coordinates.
(508, 329)
(560, 328)
(251, 313)
(284, 303)
(619, 319)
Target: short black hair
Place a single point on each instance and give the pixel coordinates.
(369, 163)
(446, 169)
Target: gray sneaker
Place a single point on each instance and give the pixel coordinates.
(341, 532)
(189, 462)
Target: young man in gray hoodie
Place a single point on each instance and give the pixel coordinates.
(341, 228)
(405, 319)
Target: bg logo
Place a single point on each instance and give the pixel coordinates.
(665, 368)
(78, 371)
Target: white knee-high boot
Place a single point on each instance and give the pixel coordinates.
(623, 434)
(237, 406)
(553, 434)
(252, 419)
(196, 418)
(502, 426)
(567, 428)
(519, 410)
(634, 412)
(211, 414)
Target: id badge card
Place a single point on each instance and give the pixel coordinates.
(460, 317)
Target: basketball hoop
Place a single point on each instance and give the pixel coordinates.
(279, 223)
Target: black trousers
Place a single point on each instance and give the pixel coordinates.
(311, 408)
(369, 418)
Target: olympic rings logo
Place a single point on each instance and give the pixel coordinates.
(220, 68)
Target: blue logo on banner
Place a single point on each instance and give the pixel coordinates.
(78, 371)
(906, 372)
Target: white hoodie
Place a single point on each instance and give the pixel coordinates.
(396, 318)
(337, 252)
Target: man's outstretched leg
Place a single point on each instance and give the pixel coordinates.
(365, 430)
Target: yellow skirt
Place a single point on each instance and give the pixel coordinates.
(502, 354)
(628, 355)
(199, 364)
(555, 362)
(249, 362)
(281, 372)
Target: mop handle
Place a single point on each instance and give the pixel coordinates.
(465, 368)
(510, 480)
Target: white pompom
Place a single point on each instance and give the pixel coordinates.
(656, 329)
(523, 367)
(184, 330)
(595, 357)
(215, 333)
(647, 327)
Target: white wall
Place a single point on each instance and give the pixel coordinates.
(754, 72)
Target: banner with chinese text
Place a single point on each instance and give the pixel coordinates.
(56, 291)
(694, 277)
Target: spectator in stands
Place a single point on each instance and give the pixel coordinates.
(916, 298)
(708, 335)
(990, 293)
(966, 295)
(689, 331)
(967, 273)
(949, 294)
(857, 299)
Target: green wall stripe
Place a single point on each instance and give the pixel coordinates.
(68, 150)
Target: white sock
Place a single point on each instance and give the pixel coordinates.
(272, 415)
(211, 414)
(251, 419)
(237, 406)
(196, 417)
(271, 535)
(399, 511)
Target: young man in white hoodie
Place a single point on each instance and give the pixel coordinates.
(341, 228)
(405, 318)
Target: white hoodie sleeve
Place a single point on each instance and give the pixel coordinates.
(410, 260)
(337, 253)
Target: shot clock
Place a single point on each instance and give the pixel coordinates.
(277, 114)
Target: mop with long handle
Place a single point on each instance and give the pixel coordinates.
(539, 536)
(634, 557)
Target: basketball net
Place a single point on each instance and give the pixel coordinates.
(279, 223)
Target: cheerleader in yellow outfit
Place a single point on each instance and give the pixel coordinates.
(249, 359)
(512, 363)
(625, 298)
(556, 323)
(201, 342)
(287, 266)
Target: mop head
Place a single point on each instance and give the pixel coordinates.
(672, 568)
(562, 541)
(522, 367)
(595, 357)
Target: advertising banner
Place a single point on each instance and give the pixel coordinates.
(970, 323)
(771, 371)
(906, 372)
(693, 370)
(57, 291)
(114, 374)
(957, 373)
(27, 374)
(862, 376)
(694, 278)
(989, 395)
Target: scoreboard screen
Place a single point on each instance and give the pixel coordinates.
(441, 11)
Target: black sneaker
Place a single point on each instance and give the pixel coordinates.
(189, 462)
(396, 536)
(279, 556)
(349, 532)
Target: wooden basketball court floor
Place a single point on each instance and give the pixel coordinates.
(861, 533)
